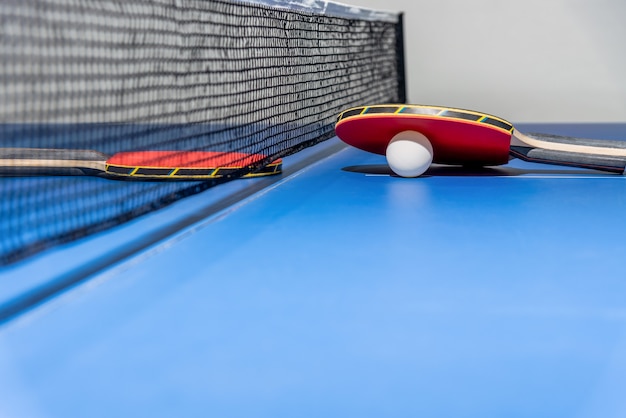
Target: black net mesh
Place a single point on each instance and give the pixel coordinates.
(120, 75)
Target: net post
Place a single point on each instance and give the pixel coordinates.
(402, 95)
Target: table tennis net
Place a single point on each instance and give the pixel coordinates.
(121, 75)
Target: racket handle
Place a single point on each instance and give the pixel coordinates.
(43, 161)
(608, 163)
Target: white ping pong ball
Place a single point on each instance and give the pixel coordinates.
(409, 154)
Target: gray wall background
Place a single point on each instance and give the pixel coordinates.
(527, 61)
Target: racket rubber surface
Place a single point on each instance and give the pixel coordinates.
(187, 165)
(457, 136)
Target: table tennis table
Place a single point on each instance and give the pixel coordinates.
(337, 290)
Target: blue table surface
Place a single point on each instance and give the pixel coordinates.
(343, 291)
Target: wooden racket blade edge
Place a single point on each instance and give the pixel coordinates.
(135, 173)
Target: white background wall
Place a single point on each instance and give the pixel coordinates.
(526, 60)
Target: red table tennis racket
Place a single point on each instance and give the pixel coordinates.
(146, 165)
(465, 137)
